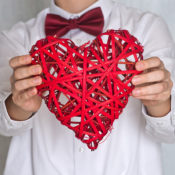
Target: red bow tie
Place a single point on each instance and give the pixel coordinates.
(91, 22)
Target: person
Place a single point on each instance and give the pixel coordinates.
(41, 145)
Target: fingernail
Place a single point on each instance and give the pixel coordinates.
(32, 91)
(136, 80)
(36, 69)
(27, 58)
(140, 66)
(37, 80)
(136, 92)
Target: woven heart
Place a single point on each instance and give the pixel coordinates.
(87, 87)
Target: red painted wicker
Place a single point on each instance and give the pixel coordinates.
(87, 87)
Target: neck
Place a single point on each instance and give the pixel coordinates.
(74, 6)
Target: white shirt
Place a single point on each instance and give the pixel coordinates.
(42, 146)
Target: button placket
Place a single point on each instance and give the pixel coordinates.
(80, 152)
(173, 118)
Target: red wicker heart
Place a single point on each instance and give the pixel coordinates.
(87, 87)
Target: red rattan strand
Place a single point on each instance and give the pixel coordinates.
(87, 87)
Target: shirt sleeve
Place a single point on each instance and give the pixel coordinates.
(11, 44)
(158, 42)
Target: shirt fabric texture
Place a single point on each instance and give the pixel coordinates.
(42, 146)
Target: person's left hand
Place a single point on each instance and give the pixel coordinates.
(153, 85)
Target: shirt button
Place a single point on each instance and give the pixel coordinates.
(78, 41)
(81, 149)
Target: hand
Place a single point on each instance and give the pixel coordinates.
(24, 99)
(153, 86)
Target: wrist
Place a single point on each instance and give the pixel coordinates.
(15, 112)
(159, 110)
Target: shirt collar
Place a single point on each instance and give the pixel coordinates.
(106, 6)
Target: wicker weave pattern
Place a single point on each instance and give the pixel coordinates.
(87, 87)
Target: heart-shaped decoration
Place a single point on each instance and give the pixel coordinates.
(87, 87)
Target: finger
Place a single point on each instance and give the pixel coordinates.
(156, 97)
(26, 95)
(151, 102)
(24, 72)
(20, 61)
(149, 77)
(151, 89)
(149, 97)
(27, 83)
(149, 63)
(12, 80)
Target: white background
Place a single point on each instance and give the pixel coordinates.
(11, 11)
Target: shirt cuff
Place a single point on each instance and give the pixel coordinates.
(11, 127)
(161, 122)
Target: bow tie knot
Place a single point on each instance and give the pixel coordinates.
(91, 22)
(73, 23)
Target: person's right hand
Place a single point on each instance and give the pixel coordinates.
(24, 99)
